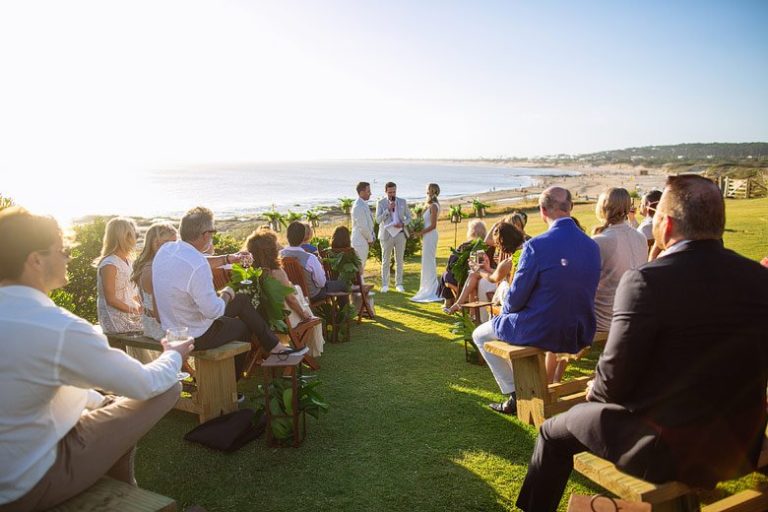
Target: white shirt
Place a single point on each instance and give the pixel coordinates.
(362, 223)
(183, 286)
(646, 227)
(51, 361)
(313, 266)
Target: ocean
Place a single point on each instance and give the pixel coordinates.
(245, 190)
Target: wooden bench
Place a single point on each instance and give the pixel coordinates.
(669, 496)
(538, 400)
(110, 495)
(216, 382)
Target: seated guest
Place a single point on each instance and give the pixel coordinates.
(117, 299)
(314, 274)
(621, 248)
(679, 392)
(550, 304)
(58, 436)
(482, 279)
(309, 233)
(340, 239)
(647, 209)
(519, 219)
(156, 236)
(475, 229)
(185, 296)
(264, 248)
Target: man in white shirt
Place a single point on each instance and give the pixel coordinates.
(393, 217)
(185, 296)
(58, 435)
(314, 273)
(362, 224)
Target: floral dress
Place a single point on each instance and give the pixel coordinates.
(111, 319)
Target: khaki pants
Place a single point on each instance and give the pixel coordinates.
(102, 443)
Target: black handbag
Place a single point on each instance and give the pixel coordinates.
(228, 432)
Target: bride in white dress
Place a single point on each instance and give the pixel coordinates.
(429, 283)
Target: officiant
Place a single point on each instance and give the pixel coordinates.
(393, 217)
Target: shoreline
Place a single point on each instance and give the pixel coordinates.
(585, 186)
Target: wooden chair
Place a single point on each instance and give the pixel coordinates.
(296, 334)
(358, 286)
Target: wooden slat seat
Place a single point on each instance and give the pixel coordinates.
(668, 496)
(215, 377)
(538, 400)
(110, 495)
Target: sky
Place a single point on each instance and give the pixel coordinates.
(95, 87)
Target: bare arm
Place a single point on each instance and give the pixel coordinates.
(291, 299)
(501, 273)
(109, 284)
(432, 218)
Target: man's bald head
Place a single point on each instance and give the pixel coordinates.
(555, 202)
(696, 205)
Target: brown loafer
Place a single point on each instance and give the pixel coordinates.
(509, 406)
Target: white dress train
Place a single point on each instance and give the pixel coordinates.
(428, 287)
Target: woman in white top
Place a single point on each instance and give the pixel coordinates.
(156, 236)
(118, 306)
(429, 283)
(621, 248)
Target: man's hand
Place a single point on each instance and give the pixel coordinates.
(227, 294)
(392, 206)
(183, 348)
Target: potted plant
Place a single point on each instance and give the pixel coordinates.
(455, 214)
(313, 218)
(345, 203)
(281, 404)
(479, 208)
(293, 217)
(276, 220)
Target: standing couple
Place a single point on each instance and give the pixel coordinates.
(393, 216)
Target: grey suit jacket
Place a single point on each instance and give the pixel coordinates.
(384, 217)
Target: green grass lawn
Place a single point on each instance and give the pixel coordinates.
(409, 427)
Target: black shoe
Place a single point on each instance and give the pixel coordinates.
(509, 406)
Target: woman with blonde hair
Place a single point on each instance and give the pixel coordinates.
(156, 236)
(621, 248)
(428, 289)
(263, 246)
(117, 304)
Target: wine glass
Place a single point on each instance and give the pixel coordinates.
(176, 336)
(246, 260)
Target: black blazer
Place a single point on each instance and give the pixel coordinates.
(686, 366)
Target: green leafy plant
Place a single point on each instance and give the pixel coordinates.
(333, 318)
(312, 217)
(345, 203)
(345, 266)
(479, 207)
(293, 217)
(418, 209)
(267, 293)
(224, 243)
(276, 220)
(455, 214)
(320, 242)
(5, 202)
(463, 327)
(281, 403)
(460, 267)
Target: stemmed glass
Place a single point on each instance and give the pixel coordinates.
(246, 261)
(176, 336)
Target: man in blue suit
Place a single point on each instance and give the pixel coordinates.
(550, 304)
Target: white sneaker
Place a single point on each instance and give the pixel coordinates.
(400, 289)
(384, 289)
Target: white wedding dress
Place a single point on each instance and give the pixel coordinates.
(428, 287)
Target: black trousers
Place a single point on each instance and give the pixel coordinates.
(550, 466)
(240, 321)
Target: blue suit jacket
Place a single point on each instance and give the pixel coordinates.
(551, 302)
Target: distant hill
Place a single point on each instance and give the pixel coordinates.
(716, 151)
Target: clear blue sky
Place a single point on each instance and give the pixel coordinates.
(94, 85)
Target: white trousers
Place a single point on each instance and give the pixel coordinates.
(500, 368)
(398, 244)
(361, 248)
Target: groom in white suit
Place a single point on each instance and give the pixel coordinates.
(393, 217)
(362, 223)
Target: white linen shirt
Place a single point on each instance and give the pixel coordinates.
(646, 227)
(51, 361)
(183, 286)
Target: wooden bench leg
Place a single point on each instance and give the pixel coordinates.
(217, 387)
(531, 388)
